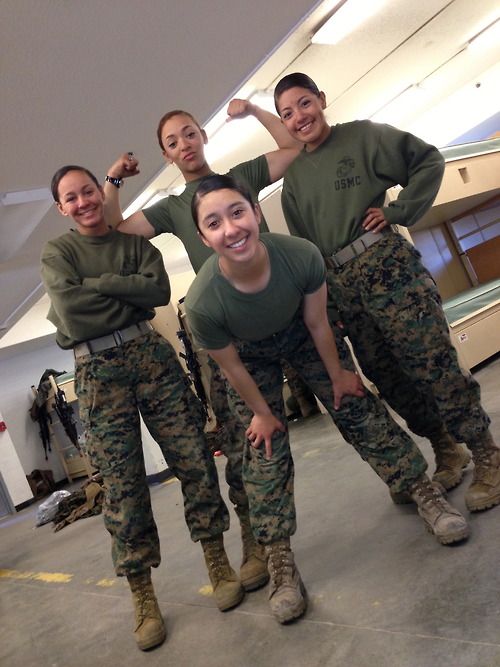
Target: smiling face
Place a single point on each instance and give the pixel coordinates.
(183, 143)
(302, 114)
(229, 224)
(81, 199)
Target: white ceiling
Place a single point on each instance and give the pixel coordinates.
(84, 81)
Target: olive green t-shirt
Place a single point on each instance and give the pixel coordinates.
(327, 191)
(218, 313)
(99, 284)
(173, 214)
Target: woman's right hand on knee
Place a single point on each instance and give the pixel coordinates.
(347, 384)
(261, 430)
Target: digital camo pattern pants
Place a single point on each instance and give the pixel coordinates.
(112, 387)
(363, 422)
(234, 440)
(392, 312)
(298, 388)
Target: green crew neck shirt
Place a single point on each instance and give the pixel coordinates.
(99, 284)
(218, 313)
(327, 191)
(173, 214)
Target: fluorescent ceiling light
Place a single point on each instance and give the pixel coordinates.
(465, 108)
(149, 197)
(264, 100)
(345, 20)
(228, 136)
(400, 106)
(138, 204)
(225, 135)
(408, 103)
(25, 196)
(487, 38)
(165, 192)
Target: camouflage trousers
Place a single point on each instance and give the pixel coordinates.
(363, 422)
(298, 389)
(234, 440)
(113, 386)
(234, 436)
(392, 312)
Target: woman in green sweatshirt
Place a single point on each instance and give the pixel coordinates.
(333, 195)
(103, 288)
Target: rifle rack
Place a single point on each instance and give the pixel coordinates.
(74, 463)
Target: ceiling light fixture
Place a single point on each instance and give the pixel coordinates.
(349, 16)
(164, 192)
(148, 198)
(396, 109)
(137, 204)
(24, 196)
(488, 37)
(263, 99)
(467, 107)
(411, 98)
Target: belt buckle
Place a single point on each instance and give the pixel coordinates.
(118, 338)
(333, 259)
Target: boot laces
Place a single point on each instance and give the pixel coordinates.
(217, 562)
(280, 564)
(430, 495)
(482, 463)
(145, 604)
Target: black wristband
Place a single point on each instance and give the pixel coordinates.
(117, 182)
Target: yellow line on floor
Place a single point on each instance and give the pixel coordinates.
(105, 583)
(48, 577)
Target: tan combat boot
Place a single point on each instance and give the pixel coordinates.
(253, 570)
(484, 492)
(441, 519)
(228, 590)
(451, 460)
(287, 595)
(150, 630)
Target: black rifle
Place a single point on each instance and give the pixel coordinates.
(65, 413)
(193, 365)
(38, 411)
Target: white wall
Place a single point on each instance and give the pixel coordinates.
(12, 471)
(273, 213)
(24, 452)
(179, 283)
